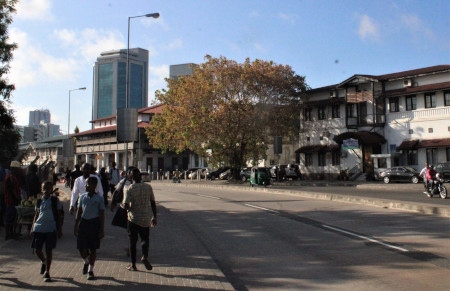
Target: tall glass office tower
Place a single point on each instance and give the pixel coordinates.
(109, 81)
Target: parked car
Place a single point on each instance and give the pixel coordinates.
(185, 174)
(203, 172)
(245, 174)
(292, 171)
(444, 170)
(215, 174)
(280, 169)
(225, 175)
(401, 174)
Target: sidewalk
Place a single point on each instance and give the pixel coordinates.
(179, 260)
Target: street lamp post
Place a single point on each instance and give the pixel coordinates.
(127, 83)
(154, 15)
(68, 121)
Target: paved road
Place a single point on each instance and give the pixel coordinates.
(179, 259)
(404, 196)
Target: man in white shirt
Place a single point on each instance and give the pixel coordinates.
(114, 177)
(79, 186)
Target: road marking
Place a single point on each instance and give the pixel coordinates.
(365, 238)
(261, 208)
(207, 196)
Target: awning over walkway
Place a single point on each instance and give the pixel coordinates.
(317, 148)
(408, 145)
(363, 137)
(434, 143)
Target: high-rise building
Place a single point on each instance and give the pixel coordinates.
(109, 81)
(176, 71)
(39, 116)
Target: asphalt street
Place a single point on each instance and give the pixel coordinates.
(180, 262)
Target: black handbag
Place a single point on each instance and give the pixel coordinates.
(120, 218)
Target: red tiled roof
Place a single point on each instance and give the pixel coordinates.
(408, 145)
(97, 130)
(415, 72)
(400, 75)
(156, 109)
(435, 143)
(418, 89)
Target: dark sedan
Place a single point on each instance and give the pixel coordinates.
(401, 174)
(245, 174)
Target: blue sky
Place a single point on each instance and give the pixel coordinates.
(326, 41)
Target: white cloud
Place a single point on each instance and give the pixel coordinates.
(32, 65)
(175, 44)
(34, 9)
(287, 17)
(416, 26)
(368, 29)
(89, 43)
(157, 74)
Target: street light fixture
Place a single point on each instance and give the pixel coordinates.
(68, 121)
(127, 86)
(127, 83)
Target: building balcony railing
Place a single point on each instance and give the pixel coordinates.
(354, 122)
(428, 113)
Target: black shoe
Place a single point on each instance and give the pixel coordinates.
(147, 264)
(47, 277)
(91, 276)
(85, 269)
(42, 269)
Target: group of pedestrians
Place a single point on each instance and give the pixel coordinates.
(16, 184)
(88, 203)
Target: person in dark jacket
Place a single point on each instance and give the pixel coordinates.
(33, 185)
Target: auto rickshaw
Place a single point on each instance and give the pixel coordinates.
(260, 176)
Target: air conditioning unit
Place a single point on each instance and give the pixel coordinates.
(333, 94)
(407, 83)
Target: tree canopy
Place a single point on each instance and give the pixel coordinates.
(9, 136)
(228, 111)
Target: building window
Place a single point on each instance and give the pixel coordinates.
(321, 113)
(411, 158)
(447, 98)
(411, 103)
(430, 100)
(307, 114)
(336, 158)
(430, 130)
(431, 156)
(308, 159)
(336, 110)
(393, 104)
(447, 153)
(321, 159)
(350, 110)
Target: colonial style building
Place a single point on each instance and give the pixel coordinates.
(362, 125)
(99, 146)
(370, 122)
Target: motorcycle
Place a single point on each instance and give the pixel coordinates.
(436, 187)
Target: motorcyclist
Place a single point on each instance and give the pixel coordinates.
(431, 176)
